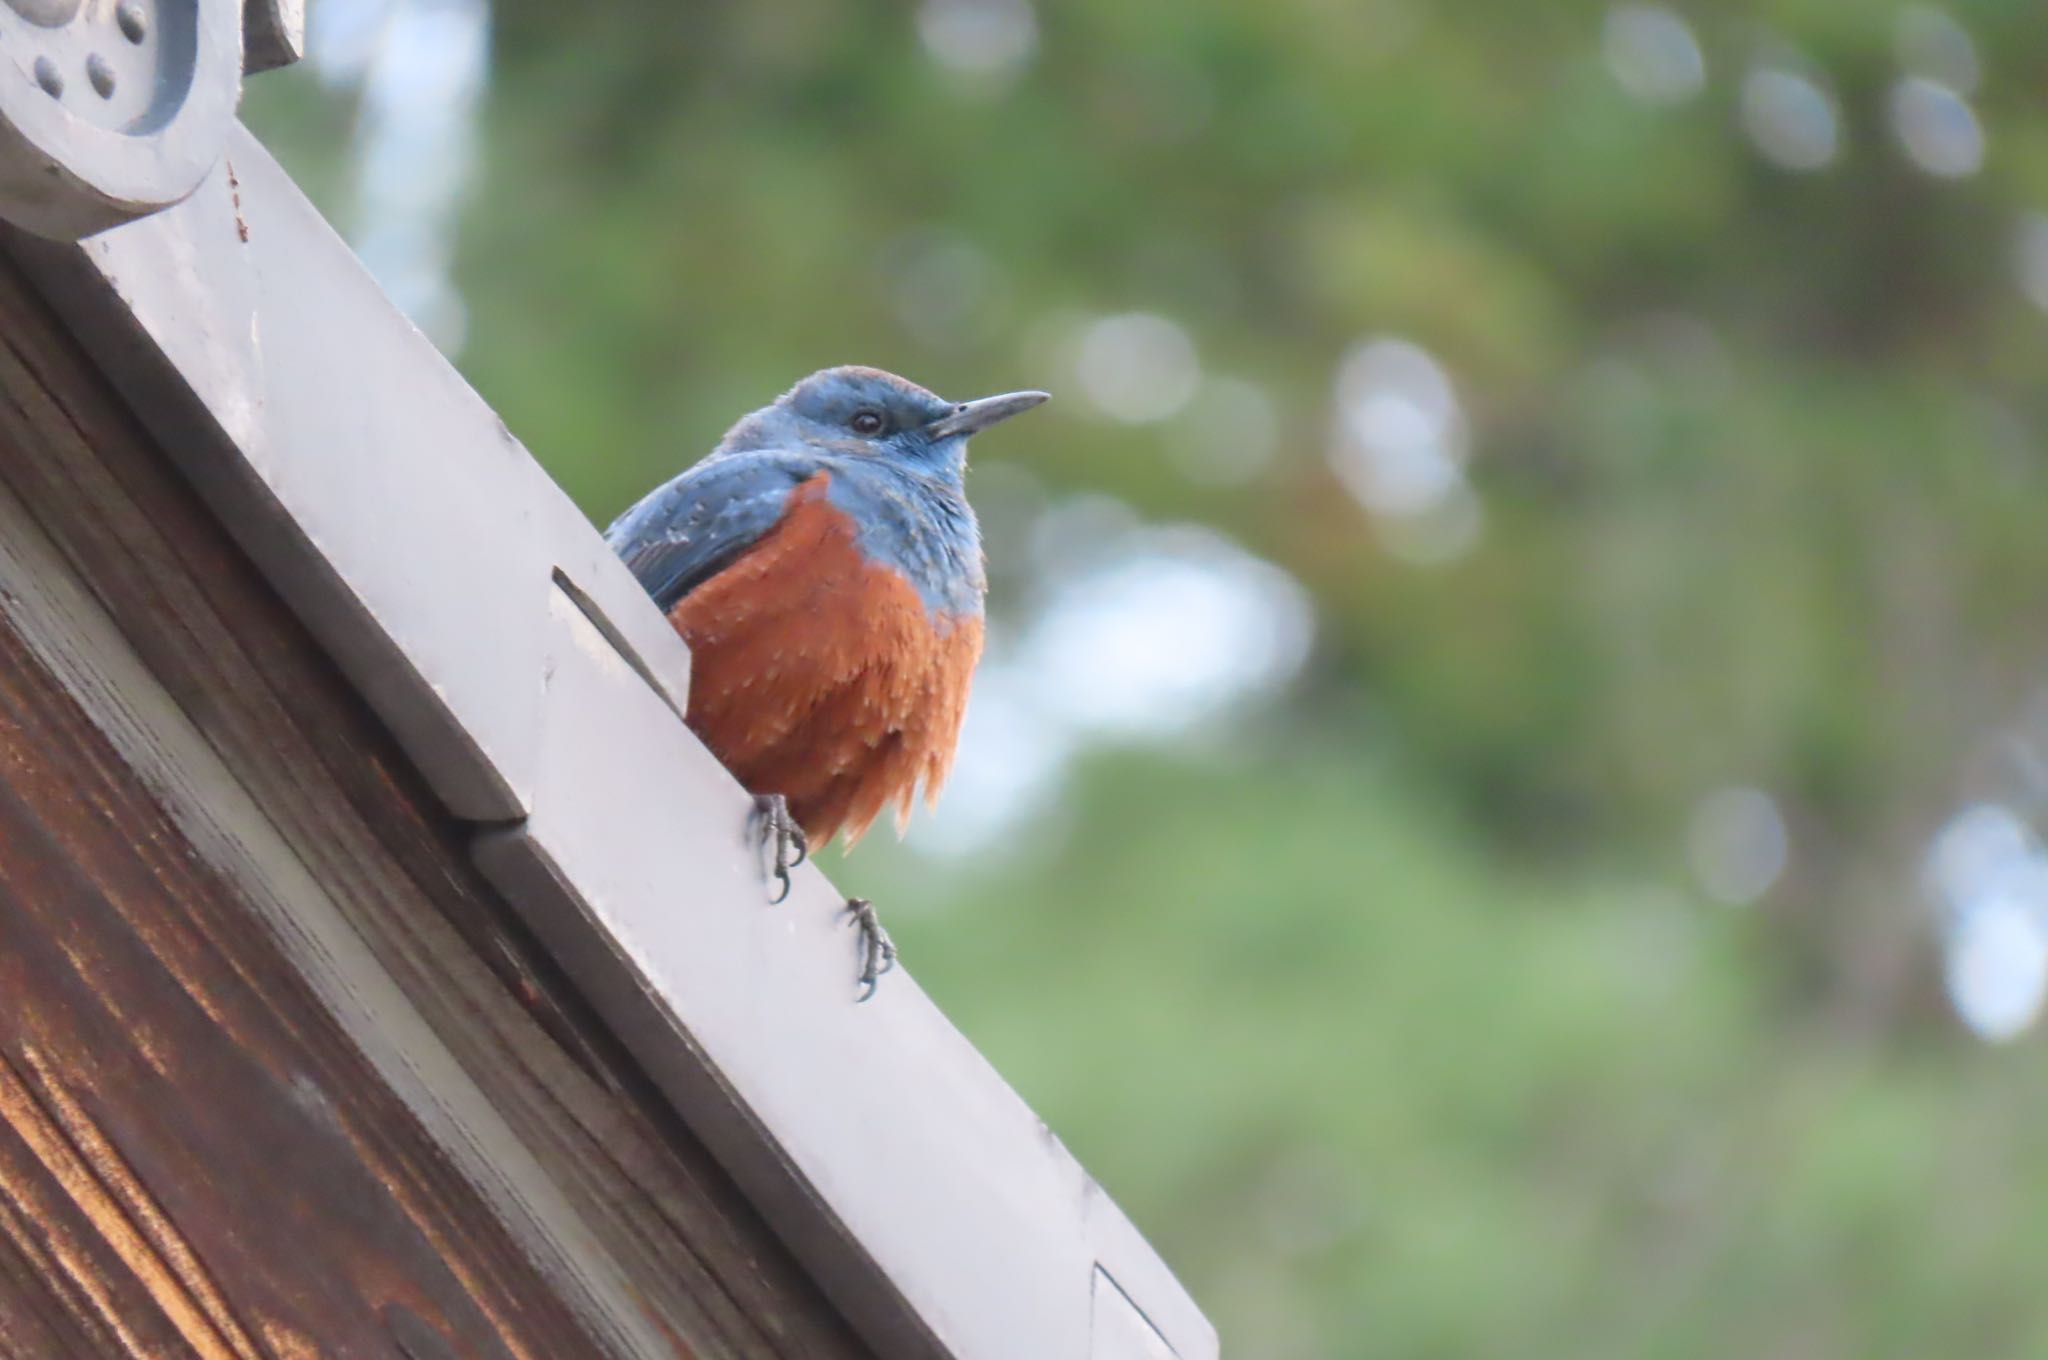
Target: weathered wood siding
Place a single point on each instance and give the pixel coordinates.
(279, 1073)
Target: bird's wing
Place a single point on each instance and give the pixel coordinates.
(685, 532)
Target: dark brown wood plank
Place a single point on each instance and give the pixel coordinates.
(65, 1289)
(174, 1094)
(706, 1271)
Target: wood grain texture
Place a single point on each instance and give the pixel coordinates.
(172, 1094)
(247, 937)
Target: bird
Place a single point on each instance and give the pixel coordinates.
(825, 569)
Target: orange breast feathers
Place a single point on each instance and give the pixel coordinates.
(819, 675)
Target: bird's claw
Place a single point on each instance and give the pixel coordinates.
(787, 848)
(783, 838)
(877, 950)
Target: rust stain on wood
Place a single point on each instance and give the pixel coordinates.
(113, 1173)
(70, 1169)
(42, 1301)
(286, 1344)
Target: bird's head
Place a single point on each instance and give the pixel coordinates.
(869, 413)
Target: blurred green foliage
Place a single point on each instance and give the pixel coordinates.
(1400, 1025)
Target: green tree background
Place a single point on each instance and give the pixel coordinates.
(1397, 1006)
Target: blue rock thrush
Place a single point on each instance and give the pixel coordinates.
(825, 569)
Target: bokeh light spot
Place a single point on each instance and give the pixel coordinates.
(1399, 445)
(987, 44)
(1177, 626)
(1652, 54)
(1136, 633)
(1997, 966)
(1978, 848)
(1987, 869)
(1137, 367)
(1937, 128)
(1738, 844)
(1790, 118)
(1400, 438)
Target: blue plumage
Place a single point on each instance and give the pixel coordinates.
(897, 455)
(682, 534)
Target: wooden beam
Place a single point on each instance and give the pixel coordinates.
(263, 1014)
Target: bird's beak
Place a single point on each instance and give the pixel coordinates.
(970, 416)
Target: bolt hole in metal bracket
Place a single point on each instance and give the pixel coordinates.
(538, 690)
(111, 109)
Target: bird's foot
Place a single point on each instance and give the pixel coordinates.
(781, 837)
(877, 950)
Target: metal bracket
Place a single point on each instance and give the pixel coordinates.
(112, 111)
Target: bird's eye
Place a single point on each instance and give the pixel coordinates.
(867, 422)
